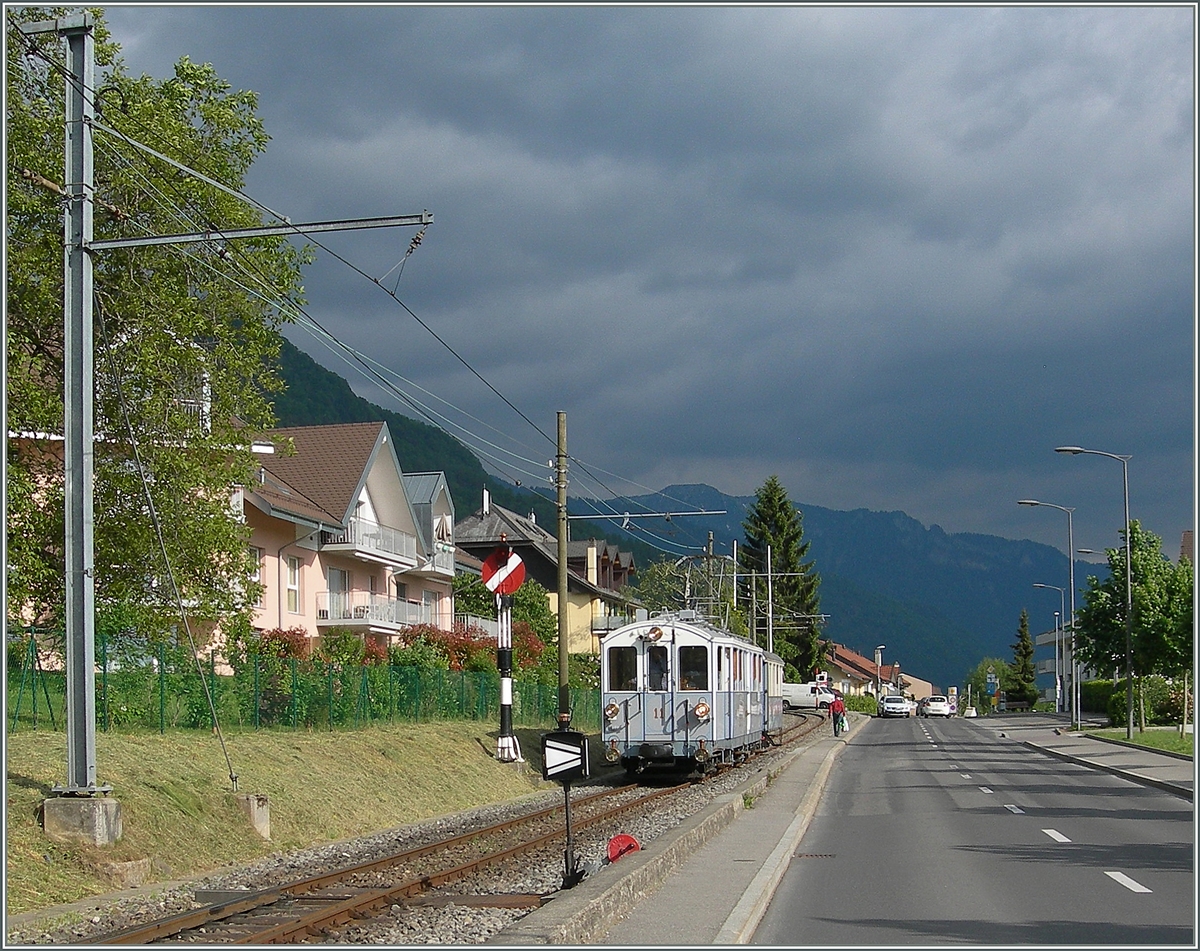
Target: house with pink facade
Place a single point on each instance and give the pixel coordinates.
(344, 537)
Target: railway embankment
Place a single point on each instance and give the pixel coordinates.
(180, 814)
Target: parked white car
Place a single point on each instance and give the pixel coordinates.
(893, 705)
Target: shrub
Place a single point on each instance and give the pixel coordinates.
(342, 647)
(1162, 700)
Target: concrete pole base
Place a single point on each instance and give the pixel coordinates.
(86, 819)
(257, 808)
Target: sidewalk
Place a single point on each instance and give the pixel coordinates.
(1148, 767)
(710, 881)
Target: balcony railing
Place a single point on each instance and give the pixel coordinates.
(362, 607)
(603, 624)
(488, 624)
(364, 535)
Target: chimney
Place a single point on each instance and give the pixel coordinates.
(487, 502)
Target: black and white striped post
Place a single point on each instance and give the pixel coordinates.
(508, 750)
(503, 572)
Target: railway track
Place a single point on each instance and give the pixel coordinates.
(307, 908)
(301, 909)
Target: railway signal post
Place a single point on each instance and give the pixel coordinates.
(565, 758)
(503, 571)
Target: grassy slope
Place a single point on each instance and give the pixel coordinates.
(178, 807)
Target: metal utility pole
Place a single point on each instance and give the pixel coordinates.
(770, 607)
(560, 484)
(78, 383)
(79, 110)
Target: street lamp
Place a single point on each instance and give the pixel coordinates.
(878, 661)
(1124, 460)
(1076, 712)
(1057, 641)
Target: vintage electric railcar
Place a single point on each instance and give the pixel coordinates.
(678, 693)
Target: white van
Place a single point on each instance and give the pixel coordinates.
(809, 696)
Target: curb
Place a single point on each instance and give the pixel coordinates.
(1165, 786)
(744, 919)
(585, 912)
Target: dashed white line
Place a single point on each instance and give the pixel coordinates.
(965, 775)
(1122, 879)
(1015, 810)
(1056, 835)
(984, 789)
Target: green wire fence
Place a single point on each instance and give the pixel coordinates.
(160, 691)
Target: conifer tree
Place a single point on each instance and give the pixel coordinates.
(1023, 682)
(774, 521)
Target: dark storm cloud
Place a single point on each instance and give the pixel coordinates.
(894, 255)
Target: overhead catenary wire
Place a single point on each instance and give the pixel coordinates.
(369, 371)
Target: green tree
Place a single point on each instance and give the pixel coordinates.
(1022, 673)
(186, 336)
(774, 521)
(660, 586)
(1161, 632)
(704, 583)
(977, 680)
(531, 605)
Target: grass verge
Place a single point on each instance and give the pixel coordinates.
(1162, 738)
(178, 807)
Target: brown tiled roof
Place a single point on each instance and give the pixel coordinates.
(329, 462)
(281, 497)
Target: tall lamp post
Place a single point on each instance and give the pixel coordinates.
(1124, 460)
(1076, 712)
(1057, 641)
(878, 661)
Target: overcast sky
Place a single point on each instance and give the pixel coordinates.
(893, 255)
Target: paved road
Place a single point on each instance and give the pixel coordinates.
(951, 831)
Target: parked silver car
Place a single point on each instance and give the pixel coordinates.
(936, 706)
(893, 705)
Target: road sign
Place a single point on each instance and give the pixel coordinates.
(565, 756)
(503, 571)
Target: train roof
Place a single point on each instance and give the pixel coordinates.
(695, 620)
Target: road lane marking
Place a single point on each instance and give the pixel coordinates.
(1056, 835)
(965, 775)
(1015, 810)
(984, 789)
(1122, 879)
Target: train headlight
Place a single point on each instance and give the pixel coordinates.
(610, 752)
(611, 711)
(702, 755)
(702, 710)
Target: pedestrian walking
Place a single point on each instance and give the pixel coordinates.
(837, 713)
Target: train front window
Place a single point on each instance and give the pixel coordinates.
(622, 668)
(657, 658)
(693, 668)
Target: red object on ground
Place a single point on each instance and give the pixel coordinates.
(622, 844)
